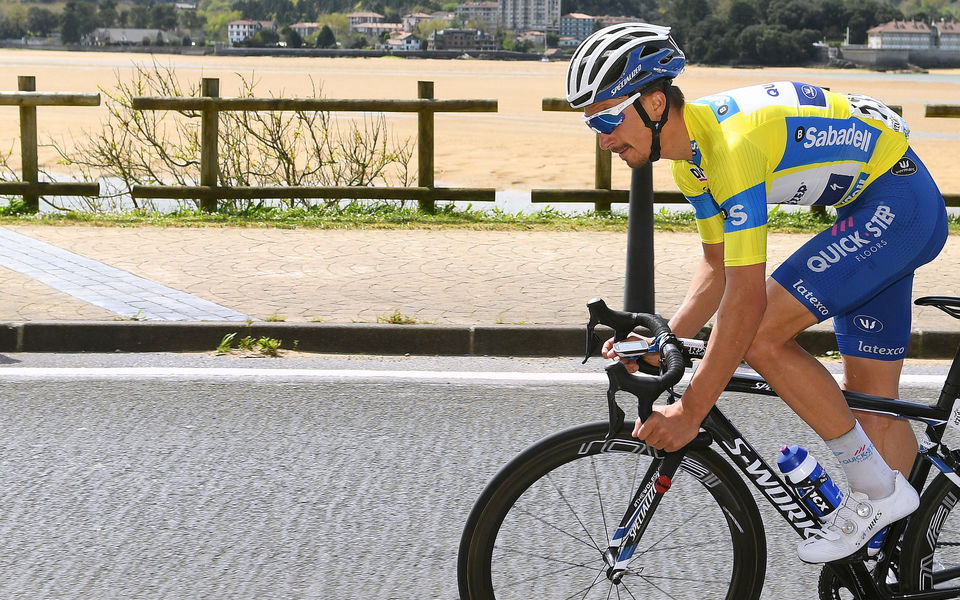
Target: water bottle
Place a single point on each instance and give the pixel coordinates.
(813, 484)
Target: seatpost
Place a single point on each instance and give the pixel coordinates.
(951, 385)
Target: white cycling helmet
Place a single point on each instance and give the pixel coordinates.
(619, 60)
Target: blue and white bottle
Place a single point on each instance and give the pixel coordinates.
(813, 484)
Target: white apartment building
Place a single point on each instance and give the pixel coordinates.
(482, 13)
(902, 35)
(237, 31)
(412, 21)
(524, 15)
(948, 35)
(357, 18)
(305, 29)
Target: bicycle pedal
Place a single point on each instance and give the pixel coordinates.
(857, 557)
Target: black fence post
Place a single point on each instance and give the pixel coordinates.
(638, 293)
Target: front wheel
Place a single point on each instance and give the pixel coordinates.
(542, 525)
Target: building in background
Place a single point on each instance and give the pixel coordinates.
(377, 30)
(128, 36)
(305, 29)
(948, 35)
(523, 15)
(482, 14)
(237, 31)
(902, 35)
(402, 42)
(577, 25)
(461, 40)
(359, 18)
(411, 22)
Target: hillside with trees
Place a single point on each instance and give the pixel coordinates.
(711, 31)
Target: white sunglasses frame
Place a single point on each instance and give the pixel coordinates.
(613, 110)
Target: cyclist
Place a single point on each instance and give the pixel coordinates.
(781, 143)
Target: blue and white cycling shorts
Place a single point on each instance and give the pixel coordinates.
(860, 270)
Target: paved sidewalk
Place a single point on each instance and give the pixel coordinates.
(454, 279)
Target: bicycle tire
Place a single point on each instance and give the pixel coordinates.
(530, 529)
(931, 543)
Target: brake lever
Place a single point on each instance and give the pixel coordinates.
(593, 340)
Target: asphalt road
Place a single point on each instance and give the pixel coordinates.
(282, 479)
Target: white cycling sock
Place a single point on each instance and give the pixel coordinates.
(866, 470)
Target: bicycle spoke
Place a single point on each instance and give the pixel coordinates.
(591, 544)
(547, 545)
(585, 591)
(572, 511)
(603, 513)
(544, 558)
(626, 589)
(550, 574)
(662, 591)
(663, 537)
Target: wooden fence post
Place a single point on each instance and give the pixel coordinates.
(425, 145)
(209, 134)
(28, 141)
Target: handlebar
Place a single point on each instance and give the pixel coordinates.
(646, 388)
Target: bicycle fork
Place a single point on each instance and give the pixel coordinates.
(655, 483)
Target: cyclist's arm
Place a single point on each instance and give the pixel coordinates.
(704, 294)
(742, 306)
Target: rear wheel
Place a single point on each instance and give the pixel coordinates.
(542, 525)
(930, 558)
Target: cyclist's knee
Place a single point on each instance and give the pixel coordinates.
(765, 347)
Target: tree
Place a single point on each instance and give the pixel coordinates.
(742, 14)
(326, 39)
(163, 16)
(263, 38)
(107, 13)
(291, 38)
(77, 20)
(139, 16)
(41, 21)
(191, 19)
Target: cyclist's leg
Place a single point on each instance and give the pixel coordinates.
(896, 225)
(873, 339)
(798, 378)
(893, 437)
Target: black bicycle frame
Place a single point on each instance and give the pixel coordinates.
(782, 496)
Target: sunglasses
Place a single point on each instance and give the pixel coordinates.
(609, 119)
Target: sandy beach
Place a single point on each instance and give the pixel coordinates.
(520, 147)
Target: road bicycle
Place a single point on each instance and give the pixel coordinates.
(591, 512)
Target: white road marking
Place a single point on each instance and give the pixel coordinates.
(270, 374)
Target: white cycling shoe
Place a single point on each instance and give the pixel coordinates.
(858, 519)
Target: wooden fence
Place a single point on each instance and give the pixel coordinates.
(28, 99)
(210, 105)
(602, 195)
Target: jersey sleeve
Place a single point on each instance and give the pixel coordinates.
(692, 184)
(738, 185)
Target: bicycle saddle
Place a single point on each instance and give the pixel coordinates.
(948, 304)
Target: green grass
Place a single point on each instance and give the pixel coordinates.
(390, 216)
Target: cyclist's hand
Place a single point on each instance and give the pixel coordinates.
(667, 428)
(608, 352)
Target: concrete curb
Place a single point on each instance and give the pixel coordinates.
(359, 338)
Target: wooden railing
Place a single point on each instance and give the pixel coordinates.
(28, 99)
(210, 105)
(602, 196)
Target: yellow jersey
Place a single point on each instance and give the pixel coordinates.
(780, 143)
